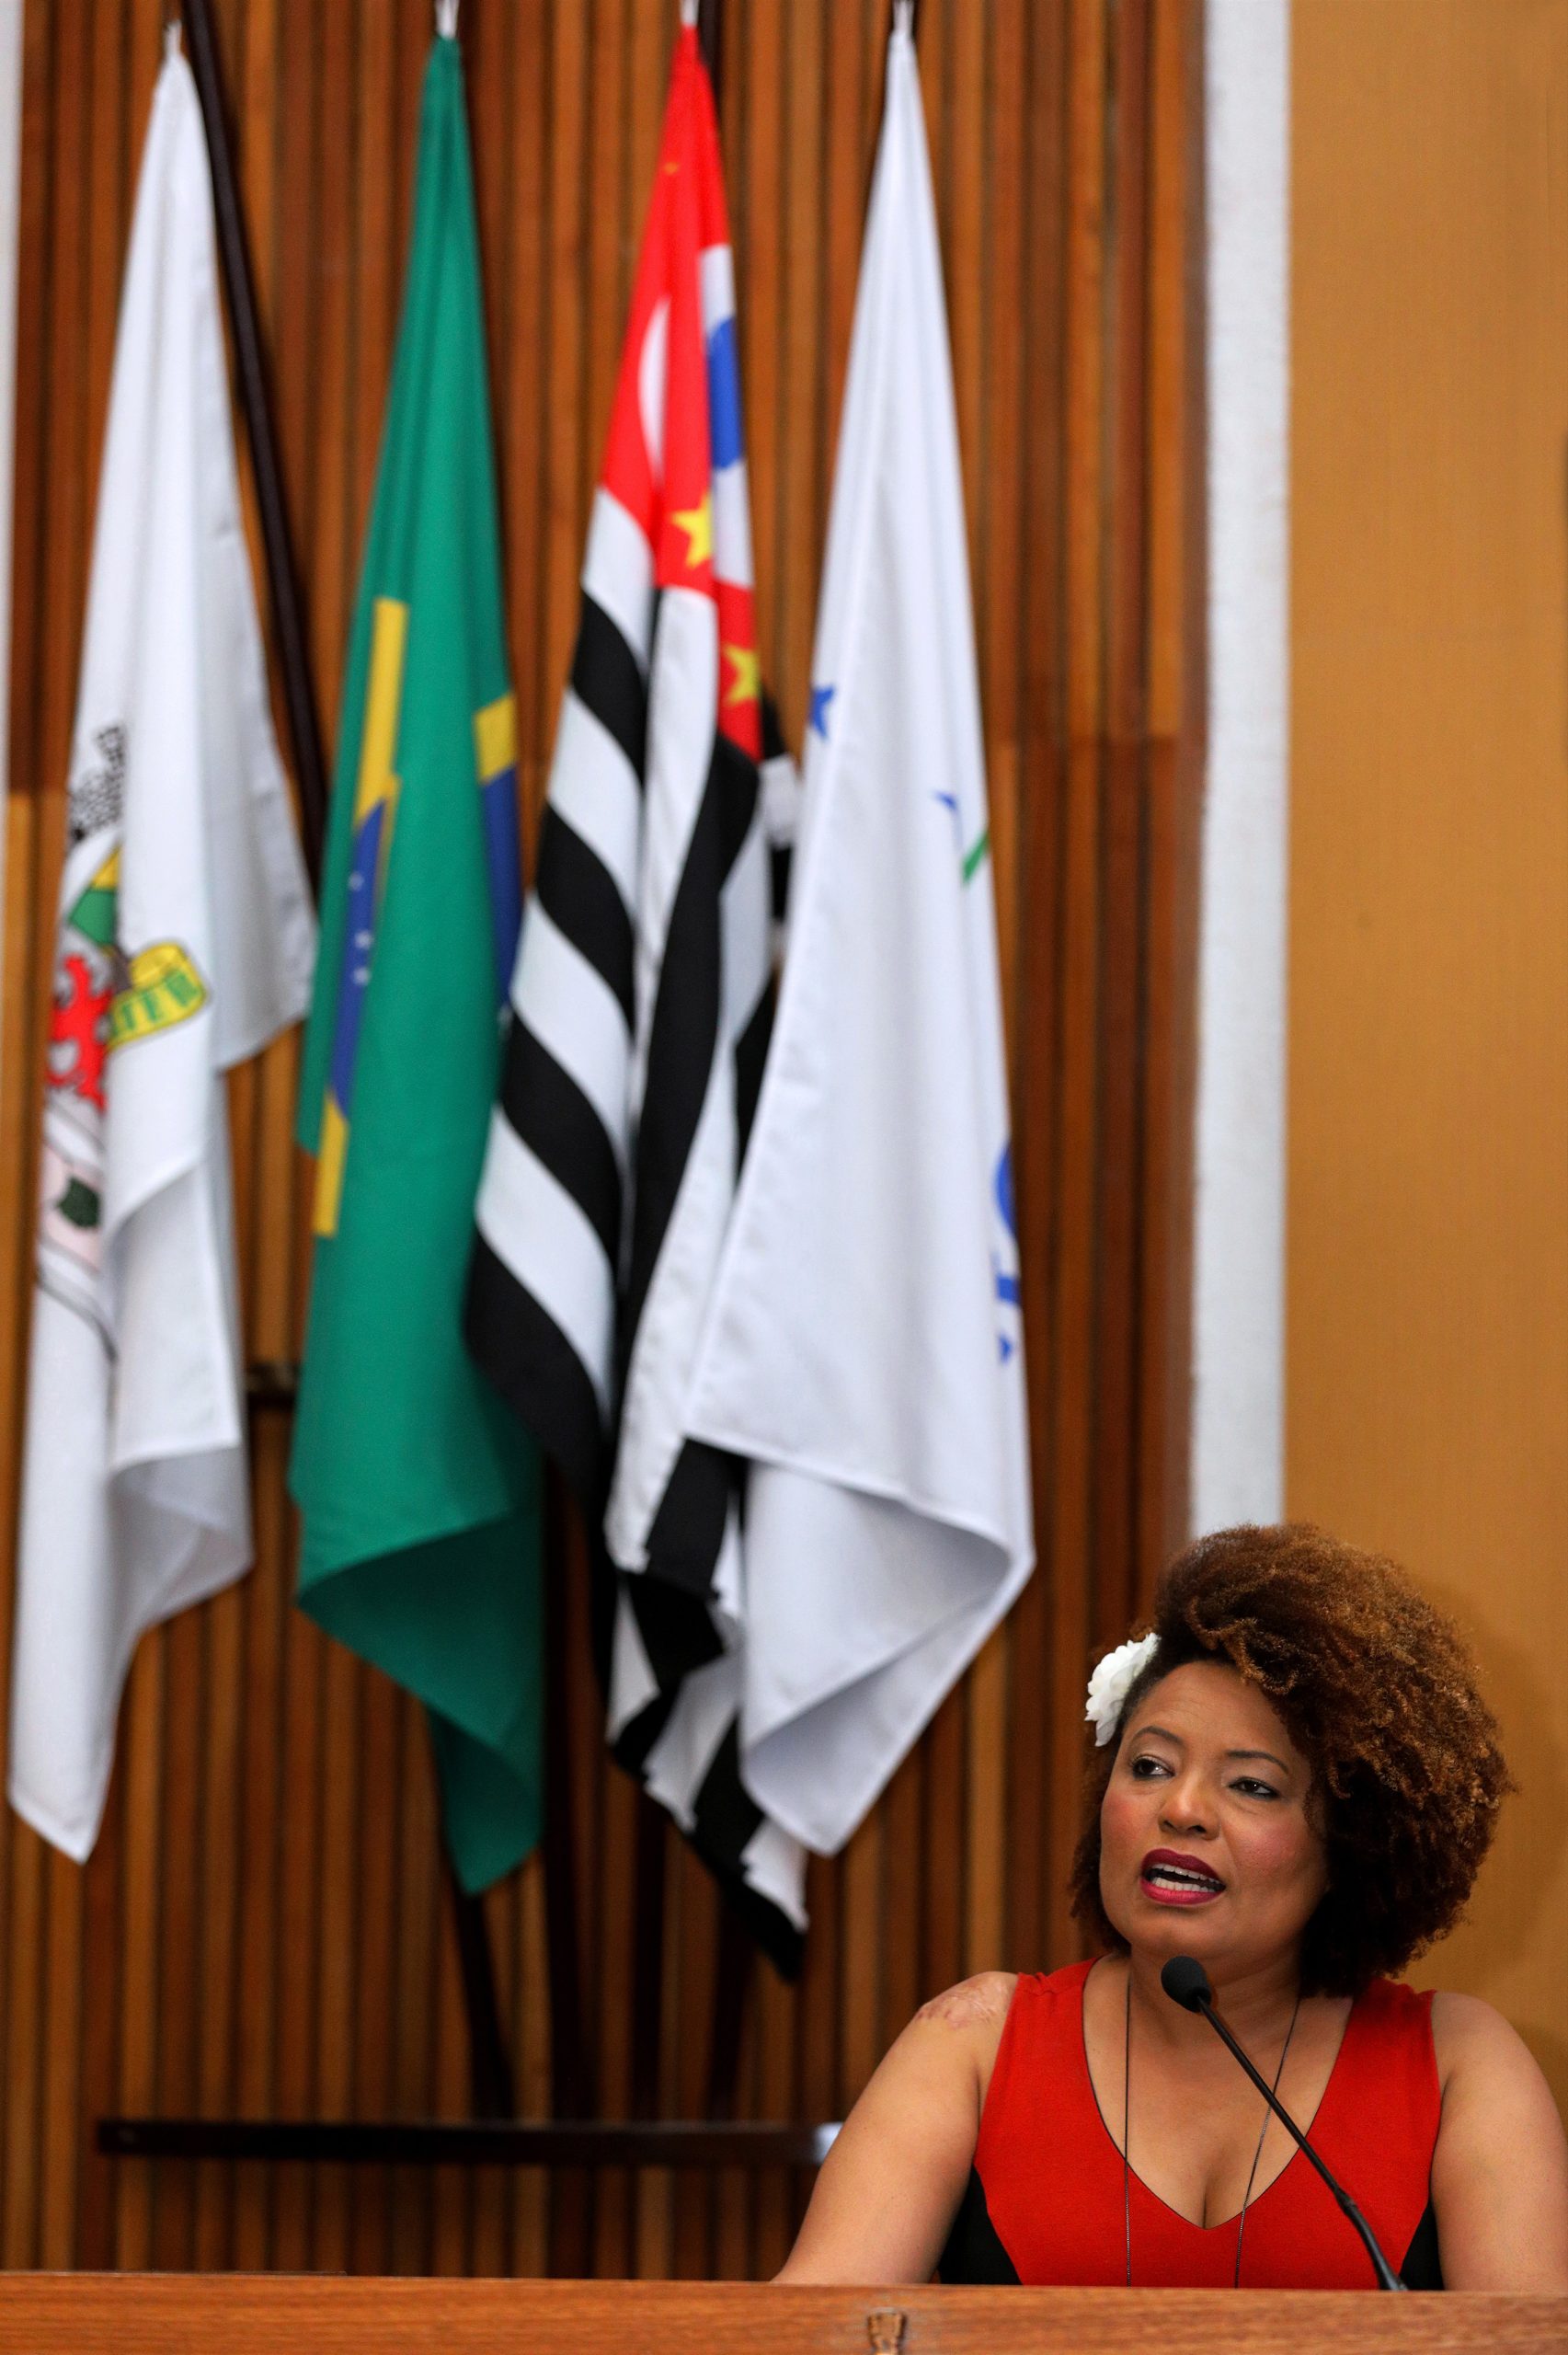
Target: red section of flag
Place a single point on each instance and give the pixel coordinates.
(77, 1023)
(662, 393)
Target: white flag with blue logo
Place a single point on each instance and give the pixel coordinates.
(863, 1347)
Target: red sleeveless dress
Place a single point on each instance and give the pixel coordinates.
(1044, 2202)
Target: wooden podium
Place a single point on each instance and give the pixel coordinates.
(186, 2313)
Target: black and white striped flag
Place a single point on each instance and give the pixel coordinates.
(640, 1010)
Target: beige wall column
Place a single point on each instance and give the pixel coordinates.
(1427, 1251)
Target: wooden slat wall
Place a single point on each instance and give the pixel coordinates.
(263, 1928)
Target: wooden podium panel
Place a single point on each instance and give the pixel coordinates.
(107, 2314)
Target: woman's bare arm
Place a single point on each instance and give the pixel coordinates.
(1500, 2171)
(892, 2182)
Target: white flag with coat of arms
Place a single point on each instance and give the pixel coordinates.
(863, 1347)
(185, 942)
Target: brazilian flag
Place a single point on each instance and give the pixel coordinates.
(420, 1497)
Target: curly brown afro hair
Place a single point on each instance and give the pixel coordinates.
(1378, 1694)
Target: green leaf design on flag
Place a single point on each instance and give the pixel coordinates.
(94, 914)
(80, 1204)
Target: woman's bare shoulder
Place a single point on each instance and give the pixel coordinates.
(1500, 2170)
(1470, 2034)
(889, 2186)
(977, 2003)
(966, 2021)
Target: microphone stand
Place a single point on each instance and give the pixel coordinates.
(1387, 2278)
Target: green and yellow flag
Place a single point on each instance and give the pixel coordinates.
(419, 1495)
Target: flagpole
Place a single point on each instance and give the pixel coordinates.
(710, 24)
(650, 1870)
(737, 1946)
(299, 692)
(491, 2080)
(491, 2088)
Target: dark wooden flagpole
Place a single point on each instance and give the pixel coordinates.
(490, 2073)
(736, 1948)
(710, 31)
(288, 621)
(650, 1866)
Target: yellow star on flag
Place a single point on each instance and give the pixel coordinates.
(746, 684)
(697, 522)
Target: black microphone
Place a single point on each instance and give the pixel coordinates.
(1185, 1981)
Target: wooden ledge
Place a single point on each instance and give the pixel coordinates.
(555, 2143)
(283, 2314)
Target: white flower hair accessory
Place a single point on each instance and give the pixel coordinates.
(1113, 1680)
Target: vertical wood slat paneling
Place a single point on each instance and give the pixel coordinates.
(264, 1929)
(268, 1264)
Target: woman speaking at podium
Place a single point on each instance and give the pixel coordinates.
(1294, 1783)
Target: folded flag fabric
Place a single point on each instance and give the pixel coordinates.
(185, 942)
(640, 1010)
(863, 1347)
(419, 1495)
